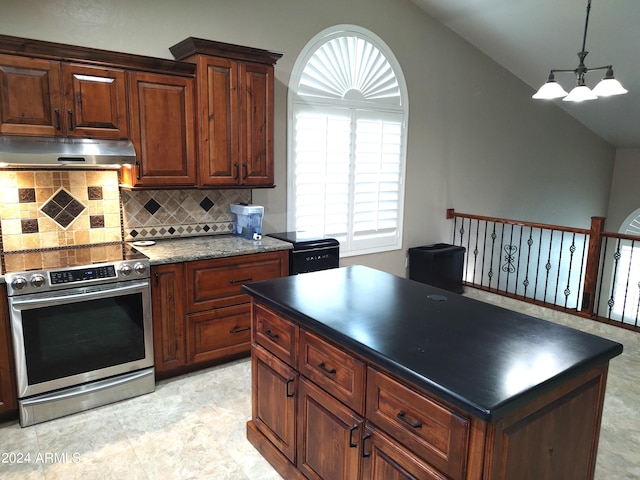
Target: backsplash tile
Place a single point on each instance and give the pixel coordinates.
(157, 214)
(53, 208)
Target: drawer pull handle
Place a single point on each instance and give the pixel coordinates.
(233, 282)
(270, 334)
(322, 366)
(352, 444)
(239, 329)
(288, 392)
(364, 439)
(401, 416)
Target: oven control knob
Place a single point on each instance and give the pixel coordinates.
(19, 283)
(140, 268)
(37, 280)
(126, 270)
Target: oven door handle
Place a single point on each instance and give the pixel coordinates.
(77, 295)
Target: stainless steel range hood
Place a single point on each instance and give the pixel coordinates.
(18, 151)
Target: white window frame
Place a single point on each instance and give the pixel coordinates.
(395, 111)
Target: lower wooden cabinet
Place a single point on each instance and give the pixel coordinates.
(274, 404)
(199, 313)
(218, 332)
(8, 394)
(329, 435)
(383, 458)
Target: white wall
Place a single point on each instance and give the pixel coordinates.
(477, 141)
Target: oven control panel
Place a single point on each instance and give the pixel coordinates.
(55, 279)
(80, 275)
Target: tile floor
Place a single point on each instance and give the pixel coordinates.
(193, 427)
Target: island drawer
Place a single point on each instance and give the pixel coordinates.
(276, 334)
(431, 430)
(336, 371)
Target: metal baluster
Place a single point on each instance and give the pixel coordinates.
(519, 256)
(555, 295)
(484, 252)
(548, 267)
(585, 243)
(475, 252)
(626, 290)
(616, 257)
(603, 251)
(535, 289)
(526, 277)
(567, 291)
(466, 263)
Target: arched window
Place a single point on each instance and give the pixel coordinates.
(347, 141)
(626, 290)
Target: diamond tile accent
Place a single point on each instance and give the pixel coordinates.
(63, 208)
(206, 204)
(152, 206)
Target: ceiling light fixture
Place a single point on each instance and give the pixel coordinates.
(608, 85)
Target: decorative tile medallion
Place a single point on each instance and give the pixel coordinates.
(63, 208)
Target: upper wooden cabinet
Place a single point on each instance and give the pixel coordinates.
(235, 112)
(162, 130)
(45, 97)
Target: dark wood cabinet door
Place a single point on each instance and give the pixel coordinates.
(274, 386)
(167, 283)
(218, 121)
(8, 394)
(30, 97)
(329, 436)
(95, 102)
(385, 459)
(162, 130)
(256, 124)
(218, 333)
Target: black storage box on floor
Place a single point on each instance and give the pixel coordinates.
(439, 265)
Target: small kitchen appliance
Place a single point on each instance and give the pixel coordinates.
(247, 220)
(82, 334)
(310, 252)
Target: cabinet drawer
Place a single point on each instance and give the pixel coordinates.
(336, 371)
(432, 431)
(275, 333)
(217, 283)
(218, 333)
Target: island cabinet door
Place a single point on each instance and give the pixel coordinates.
(385, 459)
(329, 436)
(274, 386)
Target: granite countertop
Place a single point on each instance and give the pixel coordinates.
(485, 359)
(213, 246)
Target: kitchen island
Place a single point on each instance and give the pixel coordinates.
(361, 374)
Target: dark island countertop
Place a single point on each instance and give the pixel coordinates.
(485, 359)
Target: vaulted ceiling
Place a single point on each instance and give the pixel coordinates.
(531, 37)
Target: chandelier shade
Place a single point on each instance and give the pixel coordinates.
(607, 87)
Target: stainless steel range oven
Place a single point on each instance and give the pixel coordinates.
(82, 337)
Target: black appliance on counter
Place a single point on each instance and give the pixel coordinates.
(310, 253)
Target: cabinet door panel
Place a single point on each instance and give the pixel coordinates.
(218, 128)
(8, 394)
(218, 333)
(95, 102)
(329, 436)
(384, 459)
(256, 144)
(168, 316)
(30, 100)
(274, 386)
(162, 129)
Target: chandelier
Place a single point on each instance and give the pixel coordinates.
(608, 85)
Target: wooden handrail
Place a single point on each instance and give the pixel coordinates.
(451, 213)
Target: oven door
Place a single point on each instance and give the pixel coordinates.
(74, 336)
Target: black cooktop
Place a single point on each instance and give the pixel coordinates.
(72, 256)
